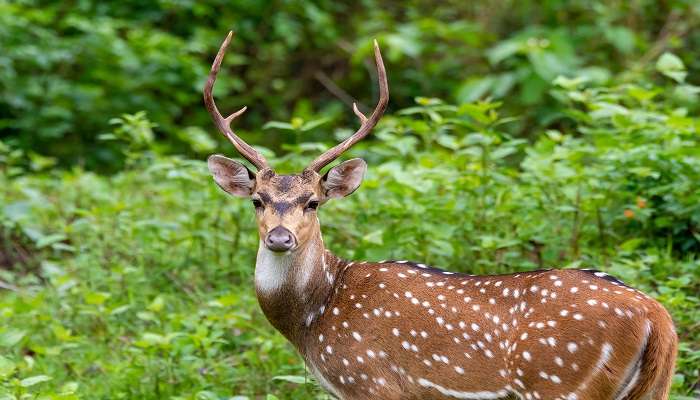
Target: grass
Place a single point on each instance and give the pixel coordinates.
(140, 286)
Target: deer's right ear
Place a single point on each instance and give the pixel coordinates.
(231, 176)
(344, 178)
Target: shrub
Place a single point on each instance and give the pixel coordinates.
(145, 280)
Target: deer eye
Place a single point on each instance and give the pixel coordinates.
(257, 203)
(312, 205)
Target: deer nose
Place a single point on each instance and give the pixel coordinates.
(279, 239)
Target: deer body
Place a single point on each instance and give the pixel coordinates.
(403, 330)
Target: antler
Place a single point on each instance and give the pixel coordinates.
(224, 124)
(366, 123)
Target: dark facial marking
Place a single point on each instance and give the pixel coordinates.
(281, 207)
(285, 183)
(265, 197)
(301, 200)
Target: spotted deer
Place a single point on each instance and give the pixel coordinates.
(405, 330)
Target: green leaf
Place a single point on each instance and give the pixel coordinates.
(96, 298)
(474, 89)
(157, 304)
(307, 126)
(672, 66)
(7, 367)
(198, 139)
(568, 84)
(149, 339)
(11, 337)
(503, 50)
(374, 237)
(502, 152)
(120, 309)
(69, 387)
(301, 380)
(448, 141)
(34, 380)
(631, 244)
(607, 110)
(279, 125)
(549, 65)
(17, 211)
(206, 395)
(621, 37)
(50, 239)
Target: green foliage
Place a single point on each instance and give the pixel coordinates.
(521, 136)
(68, 68)
(143, 286)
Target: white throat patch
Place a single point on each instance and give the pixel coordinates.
(271, 269)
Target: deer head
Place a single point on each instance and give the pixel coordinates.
(285, 205)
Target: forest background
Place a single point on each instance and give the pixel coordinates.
(520, 135)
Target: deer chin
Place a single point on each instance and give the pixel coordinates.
(281, 253)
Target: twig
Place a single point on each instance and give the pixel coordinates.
(576, 225)
(7, 286)
(601, 234)
(664, 35)
(346, 46)
(337, 91)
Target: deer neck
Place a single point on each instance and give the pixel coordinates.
(293, 288)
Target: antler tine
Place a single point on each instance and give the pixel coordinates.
(362, 117)
(366, 123)
(224, 124)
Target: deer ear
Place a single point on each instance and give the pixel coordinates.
(231, 176)
(344, 178)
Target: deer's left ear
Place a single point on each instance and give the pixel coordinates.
(344, 178)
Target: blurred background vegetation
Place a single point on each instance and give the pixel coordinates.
(520, 135)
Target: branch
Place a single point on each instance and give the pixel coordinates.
(336, 90)
(664, 35)
(8, 286)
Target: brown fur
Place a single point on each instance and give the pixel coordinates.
(658, 360)
(624, 333)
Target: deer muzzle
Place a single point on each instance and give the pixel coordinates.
(280, 239)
